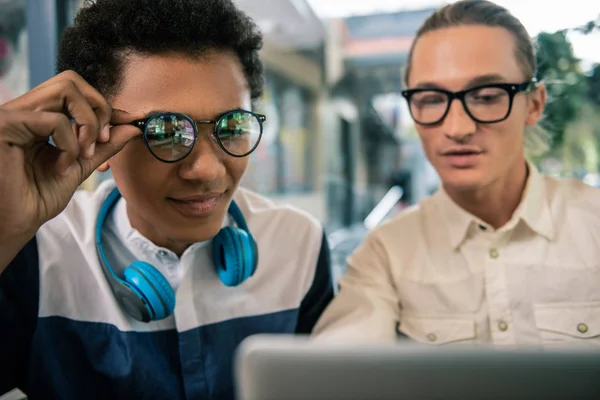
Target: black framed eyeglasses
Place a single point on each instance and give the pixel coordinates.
(171, 136)
(486, 104)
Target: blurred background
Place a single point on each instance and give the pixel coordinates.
(338, 141)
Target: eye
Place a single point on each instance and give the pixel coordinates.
(486, 95)
(428, 98)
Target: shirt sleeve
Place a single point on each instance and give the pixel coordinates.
(320, 293)
(366, 308)
(19, 297)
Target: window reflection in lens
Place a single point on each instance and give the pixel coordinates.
(170, 137)
(239, 132)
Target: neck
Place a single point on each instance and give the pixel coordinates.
(496, 202)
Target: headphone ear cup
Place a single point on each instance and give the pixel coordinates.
(254, 256)
(153, 286)
(227, 260)
(251, 249)
(233, 255)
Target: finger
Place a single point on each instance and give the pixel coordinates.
(99, 104)
(61, 96)
(66, 141)
(86, 120)
(122, 117)
(120, 136)
(37, 99)
(40, 98)
(29, 126)
(69, 91)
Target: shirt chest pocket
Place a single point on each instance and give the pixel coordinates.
(568, 323)
(438, 331)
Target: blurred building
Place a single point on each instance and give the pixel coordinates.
(14, 72)
(366, 56)
(288, 164)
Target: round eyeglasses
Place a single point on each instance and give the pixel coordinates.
(485, 104)
(170, 136)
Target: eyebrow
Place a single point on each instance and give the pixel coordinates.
(153, 113)
(480, 80)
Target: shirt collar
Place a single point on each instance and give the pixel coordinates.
(128, 234)
(457, 219)
(536, 211)
(533, 210)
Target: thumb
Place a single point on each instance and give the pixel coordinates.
(121, 133)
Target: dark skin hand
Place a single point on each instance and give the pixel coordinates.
(37, 178)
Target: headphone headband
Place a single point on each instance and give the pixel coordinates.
(105, 209)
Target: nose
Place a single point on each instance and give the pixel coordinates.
(203, 163)
(458, 125)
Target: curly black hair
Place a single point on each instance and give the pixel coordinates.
(105, 31)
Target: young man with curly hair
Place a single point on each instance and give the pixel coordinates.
(145, 287)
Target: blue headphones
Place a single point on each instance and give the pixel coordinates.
(147, 295)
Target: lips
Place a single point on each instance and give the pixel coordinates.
(196, 198)
(462, 158)
(198, 205)
(461, 152)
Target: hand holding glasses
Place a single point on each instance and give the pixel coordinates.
(485, 104)
(170, 136)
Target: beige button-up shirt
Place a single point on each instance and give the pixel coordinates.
(438, 275)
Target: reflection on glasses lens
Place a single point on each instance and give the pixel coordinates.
(239, 132)
(170, 136)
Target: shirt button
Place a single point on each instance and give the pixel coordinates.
(163, 256)
(503, 326)
(583, 328)
(432, 337)
(494, 253)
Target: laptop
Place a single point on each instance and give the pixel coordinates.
(292, 367)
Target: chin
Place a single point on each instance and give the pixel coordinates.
(465, 180)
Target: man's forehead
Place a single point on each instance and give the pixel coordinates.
(458, 55)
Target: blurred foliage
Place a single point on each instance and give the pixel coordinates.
(581, 150)
(589, 27)
(572, 113)
(594, 86)
(566, 84)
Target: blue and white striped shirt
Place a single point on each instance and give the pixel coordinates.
(64, 336)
